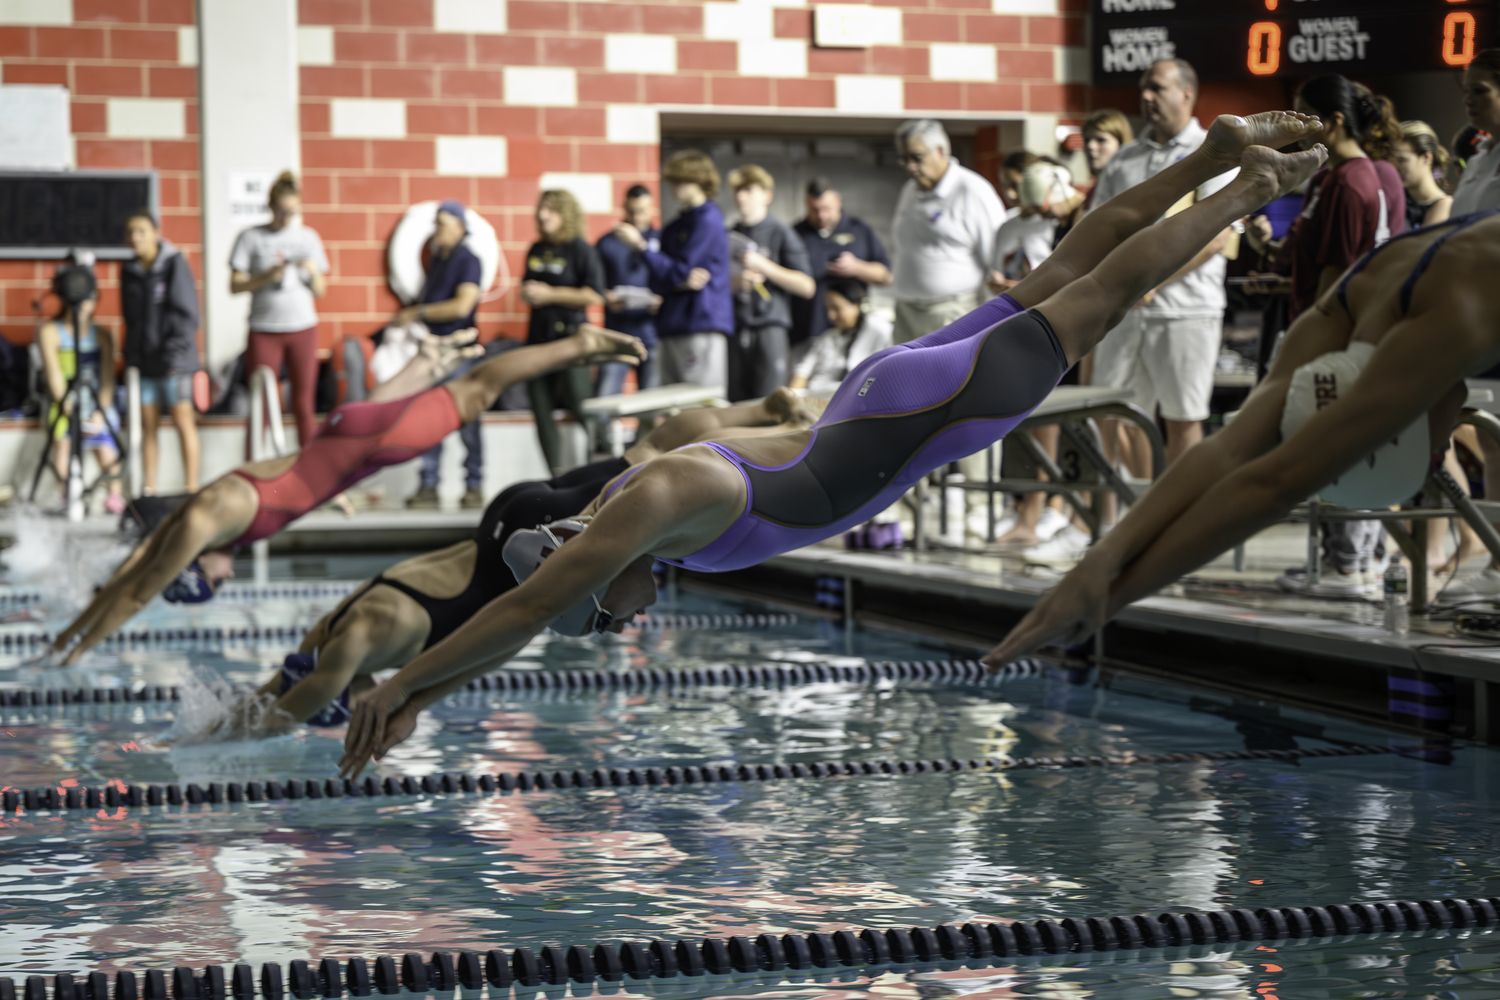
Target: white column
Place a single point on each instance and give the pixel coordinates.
(248, 133)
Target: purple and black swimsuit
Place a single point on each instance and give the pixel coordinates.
(900, 414)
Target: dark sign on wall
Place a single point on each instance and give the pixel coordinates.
(45, 215)
(1243, 39)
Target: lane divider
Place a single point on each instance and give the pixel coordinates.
(14, 641)
(977, 945)
(764, 675)
(117, 794)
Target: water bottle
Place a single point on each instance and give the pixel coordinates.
(1397, 601)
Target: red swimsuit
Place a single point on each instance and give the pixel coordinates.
(356, 440)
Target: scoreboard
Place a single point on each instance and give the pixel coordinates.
(1244, 39)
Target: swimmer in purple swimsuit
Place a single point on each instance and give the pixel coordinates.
(900, 414)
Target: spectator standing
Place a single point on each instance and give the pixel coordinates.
(1479, 187)
(770, 267)
(1353, 204)
(943, 233)
(838, 246)
(563, 278)
(447, 304)
(691, 274)
(852, 335)
(159, 301)
(1167, 347)
(1419, 158)
(282, 265)
(1105, 133)
(74, 350)
(629, 304)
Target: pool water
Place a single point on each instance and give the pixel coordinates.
(273, 881)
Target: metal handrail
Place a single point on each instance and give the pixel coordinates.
(135, 478)
(265, 412)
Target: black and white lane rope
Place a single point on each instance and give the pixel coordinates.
(978, 945)
(762, 675)
(16, 642)
(116, 795)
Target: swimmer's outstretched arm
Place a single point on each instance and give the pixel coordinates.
(1240, 481)
(650, 514)
(216, 516)
(478, 388)
(1110, 224)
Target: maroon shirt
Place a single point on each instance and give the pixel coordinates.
(1339, 221)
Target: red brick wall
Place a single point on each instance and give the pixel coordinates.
(356, 189)
(114, 48)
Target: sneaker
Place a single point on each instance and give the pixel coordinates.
(1332, 584)
(472, 500)
(425, 498)
(114, 504)
(1485, 583)
(1050, 523)
(1062, 549)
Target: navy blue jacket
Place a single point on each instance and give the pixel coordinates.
(625, 266)
(696, 238)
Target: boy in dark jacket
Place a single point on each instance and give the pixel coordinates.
(691, 274)
(159, 299)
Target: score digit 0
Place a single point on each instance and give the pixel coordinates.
(1458, 38)
(1267, 35)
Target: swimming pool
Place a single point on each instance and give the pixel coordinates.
(270, 881)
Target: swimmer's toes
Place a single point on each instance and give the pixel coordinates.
(1283, 172)
(1230, 135)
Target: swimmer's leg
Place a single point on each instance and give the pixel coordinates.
(1083, 311)
(1110, 224)
(478, 388)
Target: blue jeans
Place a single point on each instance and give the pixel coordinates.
(473, 459)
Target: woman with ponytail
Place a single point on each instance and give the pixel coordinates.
(1479, 187)
(282, 264)
(1352, 205)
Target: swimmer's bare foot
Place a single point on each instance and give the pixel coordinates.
(600, 345)
(1280, 173)
(447, 353)
(1230, 135)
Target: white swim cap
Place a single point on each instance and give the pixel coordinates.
(1045, 184)
(527, 548)
(1392, 473)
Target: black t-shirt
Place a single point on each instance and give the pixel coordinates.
(849, 235)
(573, 264)
(776, 241)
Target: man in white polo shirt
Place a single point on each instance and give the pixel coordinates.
(943, 233)
(1168, 345)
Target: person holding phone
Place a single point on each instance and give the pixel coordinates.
(282, 265)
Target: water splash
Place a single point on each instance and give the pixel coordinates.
(215, 710)
(67, 561)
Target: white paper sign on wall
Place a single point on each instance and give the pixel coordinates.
(248, 191)
(36, 131)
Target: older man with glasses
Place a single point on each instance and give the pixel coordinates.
(943, 233)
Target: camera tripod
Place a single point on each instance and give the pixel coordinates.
(83, 393)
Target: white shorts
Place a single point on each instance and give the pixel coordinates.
(1166, 361)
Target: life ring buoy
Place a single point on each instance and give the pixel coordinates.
(404, 270)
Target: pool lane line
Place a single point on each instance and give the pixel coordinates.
(763, 675)
(117, 794)
(991, 945)
(15, 641)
